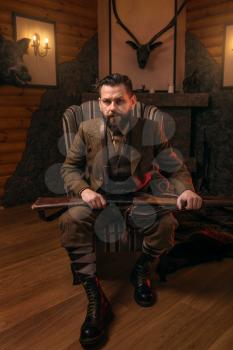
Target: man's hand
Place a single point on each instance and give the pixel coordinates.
(93, 199)
(189, 200)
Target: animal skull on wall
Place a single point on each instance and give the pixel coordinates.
(12, 68)
(144, 50)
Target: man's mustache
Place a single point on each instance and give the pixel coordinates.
(115, 115)
(118, 116)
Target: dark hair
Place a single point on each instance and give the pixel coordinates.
(116, 79)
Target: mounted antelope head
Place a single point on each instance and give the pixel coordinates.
(144, 50)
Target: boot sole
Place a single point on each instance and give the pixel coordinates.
(90, 342)
(143, 303)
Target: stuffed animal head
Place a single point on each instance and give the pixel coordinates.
(12, 68)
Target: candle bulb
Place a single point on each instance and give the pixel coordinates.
(40, 50)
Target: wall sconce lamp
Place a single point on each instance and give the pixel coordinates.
(42, 52)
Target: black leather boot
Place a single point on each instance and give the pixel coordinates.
(99, 314)
(140, 278)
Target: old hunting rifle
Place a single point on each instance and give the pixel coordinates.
(169, 202)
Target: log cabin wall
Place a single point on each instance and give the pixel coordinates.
(76, 22)
(206, 19)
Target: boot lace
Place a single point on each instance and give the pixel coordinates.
(94, 299)
(142, 274)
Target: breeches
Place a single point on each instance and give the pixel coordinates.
(80, 223)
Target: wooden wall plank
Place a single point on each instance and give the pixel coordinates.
(209, 31)
(62, 6)
(211, 10)
(76, 22)
(11, 147)
(5, 16)
(14, 112)
(7, 169)
(200, 4)
(66, 50)
(20, 100)
(30, 10)
(83, 3)
(74, 30)
(62, 59)
(18, 91)
(14, 123)
(9, 135)
(213, 41)
(210, 21)
(10, 158)
(215, 51)
(3, 180)
(70, 40)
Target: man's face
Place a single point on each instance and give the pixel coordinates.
(115, 102)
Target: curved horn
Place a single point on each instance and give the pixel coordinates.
(169, 25)
(122, 24)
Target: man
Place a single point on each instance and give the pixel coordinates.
(123, 155)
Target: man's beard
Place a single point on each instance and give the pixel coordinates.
(118, 122)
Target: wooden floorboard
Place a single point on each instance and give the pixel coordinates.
(41, 310)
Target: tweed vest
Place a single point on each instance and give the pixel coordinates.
(119, 166)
